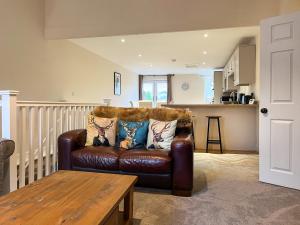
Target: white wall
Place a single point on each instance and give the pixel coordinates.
(288, 6)
(196, 92)
(53, 70)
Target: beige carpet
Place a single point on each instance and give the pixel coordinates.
(227, 192)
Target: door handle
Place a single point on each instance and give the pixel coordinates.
(264, 110)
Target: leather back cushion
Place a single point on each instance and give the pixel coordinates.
(183, 116)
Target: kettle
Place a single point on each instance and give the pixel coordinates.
(241, 98)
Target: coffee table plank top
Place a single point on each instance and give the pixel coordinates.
(66, 197)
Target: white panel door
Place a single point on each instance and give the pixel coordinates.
(279, 136)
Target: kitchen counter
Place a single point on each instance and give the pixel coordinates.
(239, 125)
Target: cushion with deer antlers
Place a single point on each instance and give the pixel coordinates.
(132, 135)
(161, 134)
(101, 131)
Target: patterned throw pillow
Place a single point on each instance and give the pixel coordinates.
(132, 134)
(101, 131)
(161, 134)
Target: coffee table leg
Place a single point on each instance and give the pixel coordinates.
(128, 207)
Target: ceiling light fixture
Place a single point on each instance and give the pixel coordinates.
(150, 65)
(204, 63)
(205, 35)
(122, 40)
(140, 55)
(204, 52)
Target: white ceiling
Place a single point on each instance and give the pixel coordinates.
(153, 53)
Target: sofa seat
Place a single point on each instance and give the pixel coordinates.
(100, 158)
(145, 161)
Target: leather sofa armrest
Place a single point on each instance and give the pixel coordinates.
(68, 142)
(7, 148)
(182, 154)
(184, 137)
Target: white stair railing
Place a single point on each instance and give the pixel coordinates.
(35, 127)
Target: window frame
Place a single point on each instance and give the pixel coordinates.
(154, 90)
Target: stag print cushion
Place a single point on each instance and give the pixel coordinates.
(161, 134)
(101, 131)
(132, 134)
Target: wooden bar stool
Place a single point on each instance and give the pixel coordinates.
(218, 141)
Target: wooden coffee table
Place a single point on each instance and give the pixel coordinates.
(71, 197)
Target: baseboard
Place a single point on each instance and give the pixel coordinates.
(215, 151)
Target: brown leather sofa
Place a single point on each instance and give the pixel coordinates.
(154, 168)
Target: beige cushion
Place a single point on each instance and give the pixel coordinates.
(161, 134)
(101, 131)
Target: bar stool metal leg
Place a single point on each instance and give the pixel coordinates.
(220, 138)
(207, 138)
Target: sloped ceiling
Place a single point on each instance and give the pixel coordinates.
(170, 52)
(98, 18)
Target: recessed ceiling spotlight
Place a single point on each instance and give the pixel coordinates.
(205, 35)
(204, 52)
(123, 40)
(204, 63)
(140, 55)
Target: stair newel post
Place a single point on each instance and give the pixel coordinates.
(9, 131)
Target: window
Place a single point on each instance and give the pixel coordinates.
(148, 90)
(155, 90)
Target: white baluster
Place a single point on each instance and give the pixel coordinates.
(48, 128)
(78, 118)
(24, 146)
(76, 110)
(83, 117)
(70, 118)
(40, 145)
(31, 149)
(67, 118)
(18, 144)
(61, 120)
(54, 139)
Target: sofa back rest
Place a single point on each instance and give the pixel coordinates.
(183, 116)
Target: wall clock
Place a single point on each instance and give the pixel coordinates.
(185, 86)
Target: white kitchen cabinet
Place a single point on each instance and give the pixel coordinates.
(218, 88)
(224, 80)
(240, 68)
(245, 68)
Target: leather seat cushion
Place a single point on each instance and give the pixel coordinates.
(145, 161)
(103, 158)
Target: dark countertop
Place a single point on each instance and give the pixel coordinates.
(208, 105)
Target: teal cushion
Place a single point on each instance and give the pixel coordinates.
(132, 134)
